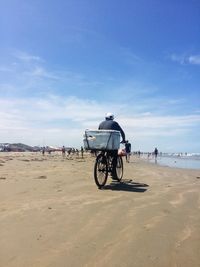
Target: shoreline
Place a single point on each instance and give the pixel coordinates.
(176, 162)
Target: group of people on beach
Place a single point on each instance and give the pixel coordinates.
(64, 151)
(72, 151)
(108, 124)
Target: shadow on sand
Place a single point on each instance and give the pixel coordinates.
(126, 185)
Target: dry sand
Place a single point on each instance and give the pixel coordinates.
(52, 214)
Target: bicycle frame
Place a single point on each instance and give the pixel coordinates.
(110, 157)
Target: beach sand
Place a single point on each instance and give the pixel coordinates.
(52, 214)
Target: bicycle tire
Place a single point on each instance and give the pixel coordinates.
(100, 171)
(119, 169)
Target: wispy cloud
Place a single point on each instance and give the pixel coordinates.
(5, 69)
(194, 59)
(186, 59)
(32, 65)
(129, 56)
(24, 56)
(178, 58)
(32, 73)
(41, 72)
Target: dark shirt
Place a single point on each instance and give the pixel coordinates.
(111, 125)
(128, 147)
(156, 151)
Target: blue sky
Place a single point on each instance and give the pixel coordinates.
(64, 64)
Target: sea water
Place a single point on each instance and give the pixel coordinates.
(187, 161)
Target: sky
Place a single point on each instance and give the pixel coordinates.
(64, 64)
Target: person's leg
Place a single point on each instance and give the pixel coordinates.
(114, 163)
(128, 157)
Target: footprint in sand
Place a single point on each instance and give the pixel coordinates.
(185, 234)
(41, 177)
(154, 221)
(179, 200)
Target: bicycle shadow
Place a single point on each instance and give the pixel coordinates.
(126, 185)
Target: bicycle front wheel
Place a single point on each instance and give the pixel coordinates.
(119, 168)
(100, 170)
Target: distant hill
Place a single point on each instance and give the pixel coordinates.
(17, 147)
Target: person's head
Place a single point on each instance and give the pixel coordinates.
(109, 116)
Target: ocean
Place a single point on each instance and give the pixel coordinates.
(187, 161)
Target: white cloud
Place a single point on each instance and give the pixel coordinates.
(60, 120)
(166, 122)
(59, 117)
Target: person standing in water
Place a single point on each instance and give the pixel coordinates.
(156, 154)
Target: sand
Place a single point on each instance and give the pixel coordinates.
(52, 214)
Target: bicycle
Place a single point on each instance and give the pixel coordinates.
(105, 144)
(107, 162)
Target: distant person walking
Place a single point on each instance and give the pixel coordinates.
(156, 153)
(69, 151)
(128, 150)
(63, 151)
(43, 151)
(82, 152)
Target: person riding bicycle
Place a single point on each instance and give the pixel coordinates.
(110, 124)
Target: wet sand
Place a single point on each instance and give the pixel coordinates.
(52, 214)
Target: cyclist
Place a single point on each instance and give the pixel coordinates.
(110, 124)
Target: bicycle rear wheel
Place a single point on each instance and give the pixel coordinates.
(100, 170)
(119, 168)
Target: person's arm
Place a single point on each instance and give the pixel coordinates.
(100, 126)
(122, 133)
